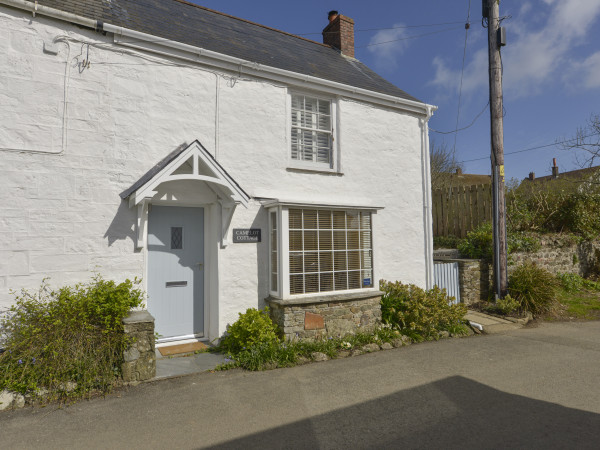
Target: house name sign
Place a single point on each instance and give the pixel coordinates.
(246, 235)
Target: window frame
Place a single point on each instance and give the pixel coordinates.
(283, 270)
(314, 166)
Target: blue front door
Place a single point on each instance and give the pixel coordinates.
(176, 270)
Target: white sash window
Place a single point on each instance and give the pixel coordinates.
(312, 136)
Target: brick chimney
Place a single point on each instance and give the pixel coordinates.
(532, 176)
(340, 33)
(458, 171)
(554, 168)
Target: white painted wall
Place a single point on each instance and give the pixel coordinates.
(60, 211)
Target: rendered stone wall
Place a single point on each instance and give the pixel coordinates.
(140, 358)
(339, 315)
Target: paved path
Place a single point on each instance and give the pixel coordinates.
(534, 388)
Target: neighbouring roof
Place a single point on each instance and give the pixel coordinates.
(578, 174)
(191, 24)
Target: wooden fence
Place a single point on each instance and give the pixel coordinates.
(460, 209)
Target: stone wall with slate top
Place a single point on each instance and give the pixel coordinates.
(334, 315)
(139, 359)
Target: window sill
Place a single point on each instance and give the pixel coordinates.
(316, 169)
(342, 296)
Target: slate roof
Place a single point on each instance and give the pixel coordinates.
(187, 23)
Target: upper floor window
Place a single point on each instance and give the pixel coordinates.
(312, 140)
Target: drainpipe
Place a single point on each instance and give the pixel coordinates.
(428, 220)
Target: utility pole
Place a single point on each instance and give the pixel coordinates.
(496, 39)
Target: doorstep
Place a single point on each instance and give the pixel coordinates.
(491, 324)
(187, 365)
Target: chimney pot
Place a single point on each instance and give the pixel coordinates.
(339, 33)
(458, 171)
(532, 176)
(554, 168)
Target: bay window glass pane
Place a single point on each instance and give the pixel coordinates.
(310, 240)
(324, 219)
(339, 259)
(311, 262)
(296, 241)
(352, 240)
(296, 262)
(353, 260)
(326, 282)
(365, 239)
(339, 220)
(340, 281)
(354, 281)
(311, 283)
(296, 284)
(295, 219)
(367, 280)
(326, 261)
(339, 240)
(310, 219)
(353, 220)
(325, 240)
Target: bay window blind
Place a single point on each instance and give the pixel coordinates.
(329, 250)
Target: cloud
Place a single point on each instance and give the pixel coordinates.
(387, 55)
(538, 53)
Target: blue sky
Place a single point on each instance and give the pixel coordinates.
(551, 66)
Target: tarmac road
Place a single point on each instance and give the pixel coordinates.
(530, 388)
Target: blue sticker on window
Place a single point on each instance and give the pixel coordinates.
(366, 282)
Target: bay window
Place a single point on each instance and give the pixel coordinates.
(319, 250)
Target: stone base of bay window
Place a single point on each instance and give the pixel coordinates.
(330, 315)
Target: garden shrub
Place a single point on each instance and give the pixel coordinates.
(66, 342)
(558, 205)
(446, 242)
(571, 282)
(534, 288)
(418, 313)
(252, 328)
(479, 243)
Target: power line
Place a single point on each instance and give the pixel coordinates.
(410, 37)
(462, 72)
(389, 28)
(533, 148)
(463, 128)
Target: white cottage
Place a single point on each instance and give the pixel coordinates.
(228, 164)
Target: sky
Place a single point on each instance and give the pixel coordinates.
(551, 67)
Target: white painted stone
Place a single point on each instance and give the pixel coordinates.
(11, 400)
(124, 117)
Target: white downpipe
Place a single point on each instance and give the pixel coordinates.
(217, 107)
(428, 222)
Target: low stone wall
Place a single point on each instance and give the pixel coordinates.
(558, 254)
(332, 315)
(140, 358)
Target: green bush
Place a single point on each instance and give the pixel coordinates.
(479, 243)
(418, 313)
(571, 282)
(534, 288)
(446, 242)
(67, 342)
(254, 327)
(558, 205)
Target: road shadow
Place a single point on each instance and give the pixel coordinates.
(452, 413)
